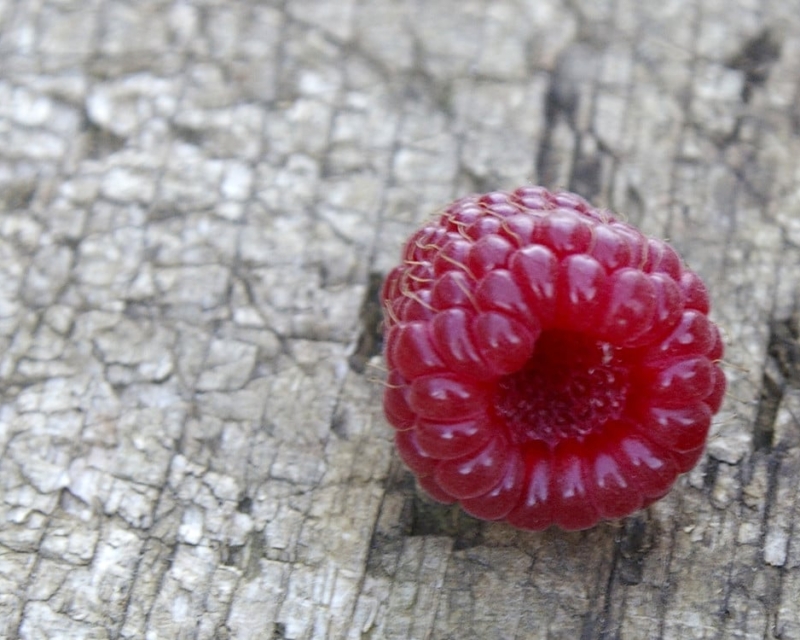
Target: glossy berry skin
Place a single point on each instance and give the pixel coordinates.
(548, 364)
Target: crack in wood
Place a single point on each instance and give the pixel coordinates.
(784, 349)
(370, 339)
(573, 71)
(710, 475)
(634, 545)
(432, 519)
(768, 403)
(586, 176)
(245, 505)
(755, 59)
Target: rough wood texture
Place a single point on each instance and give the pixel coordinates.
(197, 198)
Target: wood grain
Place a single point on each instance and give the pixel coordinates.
(198, 201)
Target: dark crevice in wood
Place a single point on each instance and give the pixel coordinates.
(370, 339)
(245, 505)
(598, 627)
(634, 544)
(544, 159)
(768, 403)
(251, 555)
(710, 476)
(586, 176)
(774, 462)
(784, 349)
(575, 68)
(433, 519)
(232, 555)
(755, 58)
(387, 539)
(400, 479)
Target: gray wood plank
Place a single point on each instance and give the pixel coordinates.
(199, 197)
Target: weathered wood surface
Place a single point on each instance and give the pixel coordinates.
(197, 197)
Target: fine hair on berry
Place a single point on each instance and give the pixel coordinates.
(548, 364)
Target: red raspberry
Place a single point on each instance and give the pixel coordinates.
(548, 364)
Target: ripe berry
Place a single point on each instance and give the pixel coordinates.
(548, 364)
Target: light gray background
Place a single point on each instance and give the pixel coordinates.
(193, 198)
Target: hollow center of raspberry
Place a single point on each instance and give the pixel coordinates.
(571, 386)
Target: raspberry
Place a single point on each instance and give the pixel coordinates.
(548, 364)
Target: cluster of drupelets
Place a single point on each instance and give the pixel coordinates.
(548, 364)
